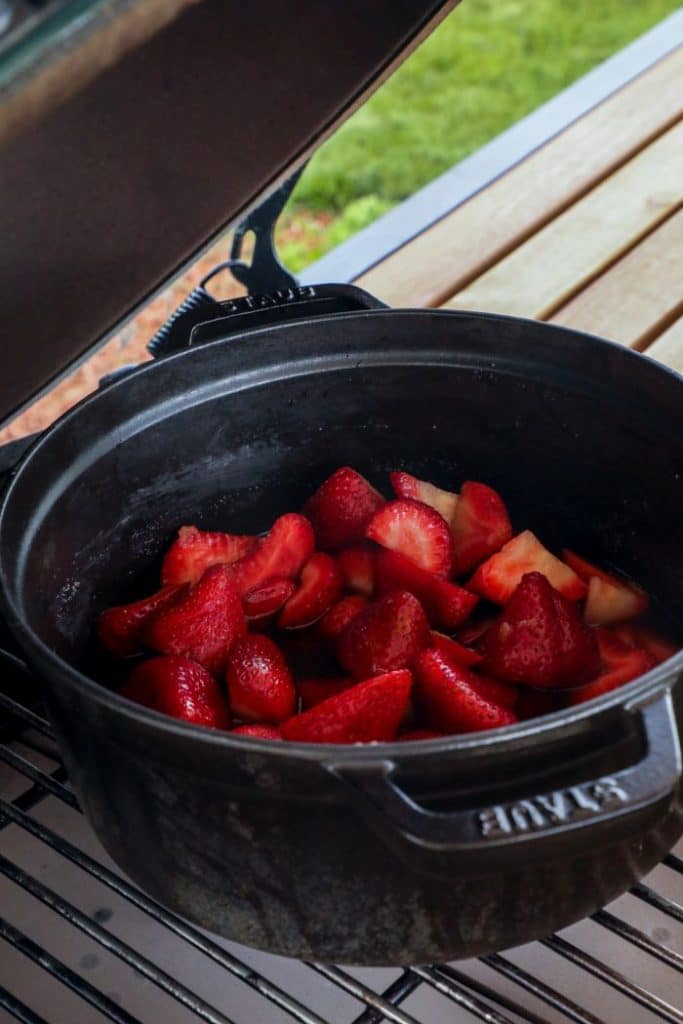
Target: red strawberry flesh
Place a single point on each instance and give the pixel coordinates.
(179, 687)
(447, 605)
(454, 651)
(315, 691)
(384, 636)
(451, 699)
(201, 623)
(357, 566)
(407, 486)
(258, 731)
(480, 526)
(194, 551)
(120, 628)
(369, 712)
(282, 552)
(620, 664)
(320, 587)
(260, 685)
(499, 575)
(415, 530)
(341, 509)
(334, 622)
(267, 598)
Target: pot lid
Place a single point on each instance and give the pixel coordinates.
(133, 131)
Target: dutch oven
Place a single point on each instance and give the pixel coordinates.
(387, 853)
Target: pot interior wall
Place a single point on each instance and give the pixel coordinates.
(584, 441)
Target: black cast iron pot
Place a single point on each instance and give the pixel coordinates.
(394, 853)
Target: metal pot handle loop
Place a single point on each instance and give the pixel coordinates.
(487, 831)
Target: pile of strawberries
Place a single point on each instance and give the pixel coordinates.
(364, 620)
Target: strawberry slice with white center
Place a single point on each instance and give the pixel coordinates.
(282, 552)
(407, 486)
(480, 525)
(194, 551)
(620, 664)
(417, 531)
(498, 577)
(320, 587)
(610, 600)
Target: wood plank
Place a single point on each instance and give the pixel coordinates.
(668, 347)
(564, 256)
(637, 296)
(462, 245)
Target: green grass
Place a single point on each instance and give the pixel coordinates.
(487, 65)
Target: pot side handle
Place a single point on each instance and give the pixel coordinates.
(611, 802)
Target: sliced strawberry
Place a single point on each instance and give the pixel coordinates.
(407, 486)
(610, 600)
(474, 632)
(620, 664)
(447, 605)
(194, 551)
(498, 577)
(451, 698)
(282, 552)
(366, 713)
(357, 566)
(540, 639)
(320, 587)
(641, 636)
(480, 526)
(341, 509)
(315, 691)
(454, 651)
(259, 731)
(334, 622)
(119, 628)
(534, 703)
(384, 636)
(260, 685)
(202, 622)
(267, 598)
(179, 687)
(416, 531)
(420, 734)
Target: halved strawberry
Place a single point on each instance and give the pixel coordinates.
(472, 635)
(366, 713)
(620, 664)
(416, 531)
(480, 526)
(282, 552)
(641, 636)
(315, 691)
(357, 566)
(179, 687)
(320, 587)
(420, 734)
(451, 698)
(447, 605)
(119, 628)
(267, 598)
(260, 685)
(334, 622)
(454, 651)
(407, 486)
(202, 622)
(610, 600)
(499, 575)
(194, 551)
(540, 639)
(259, 731)
(385, 635)
(341, 509)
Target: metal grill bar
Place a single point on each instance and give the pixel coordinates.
(489, 993)
(399, 990)
(18, 1010)
(674, 862)
(25, 767)
(458, 993)
(655, 899)
(26, 715)
(59, 970)
(647, 999)
(640, 939)
(240, 970)
(104, 938)
(364, 994)
(539, 989)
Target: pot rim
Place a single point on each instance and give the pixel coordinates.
(660, 677)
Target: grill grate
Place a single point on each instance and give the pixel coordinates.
(81, 943)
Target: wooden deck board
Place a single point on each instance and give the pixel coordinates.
(445, 257)
(545, 271)
(668, 347)
(637, 296)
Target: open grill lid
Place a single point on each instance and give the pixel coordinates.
(131, 134)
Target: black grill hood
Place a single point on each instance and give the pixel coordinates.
(133, 131)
